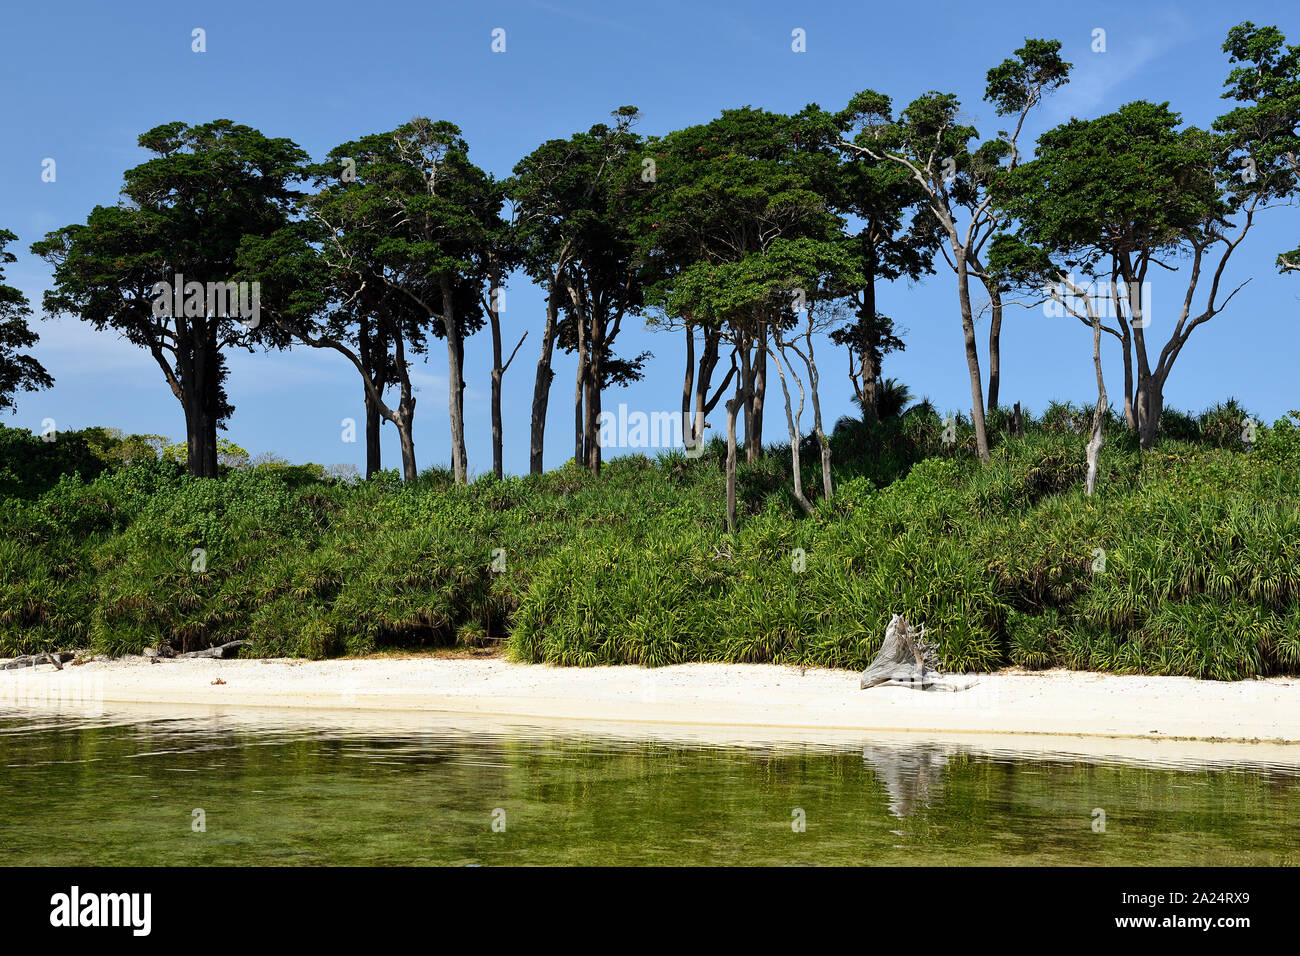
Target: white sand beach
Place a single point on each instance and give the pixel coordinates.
(779, 701)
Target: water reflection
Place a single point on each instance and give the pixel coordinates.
(281, 787)
(912, 775)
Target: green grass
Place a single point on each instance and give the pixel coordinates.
(1201, 542)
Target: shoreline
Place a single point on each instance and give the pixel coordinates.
(764, 700)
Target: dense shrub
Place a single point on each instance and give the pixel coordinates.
(1185, 561)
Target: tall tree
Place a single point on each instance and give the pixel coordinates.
(400, 237)
(723, 194)
(823, 273)
(1265, 130)
(1129, 192)
(440, 210)
(17, 371)
(931, 142)
(497, 256)
(892, 238)
(571, 224)
(1021, 265)
(770, 288)
(320, 293)
(183, 213)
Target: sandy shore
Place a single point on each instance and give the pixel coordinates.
(755, 696)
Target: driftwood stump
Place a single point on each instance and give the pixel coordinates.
(906, 657)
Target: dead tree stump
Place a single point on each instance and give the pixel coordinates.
(905, 657)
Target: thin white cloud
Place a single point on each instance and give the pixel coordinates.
(1097, 77)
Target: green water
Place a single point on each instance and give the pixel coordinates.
(75, 792)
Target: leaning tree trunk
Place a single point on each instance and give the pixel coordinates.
(542, 389)
(796, 467)
(814, 381)
(1097, 439)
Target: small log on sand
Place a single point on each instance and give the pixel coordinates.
(905, 658)
(56, 658)
(222, 650)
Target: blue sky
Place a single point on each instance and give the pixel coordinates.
(82, 80)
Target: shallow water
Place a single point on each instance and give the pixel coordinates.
(114, 791)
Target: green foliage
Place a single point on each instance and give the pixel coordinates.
(1183, 562)
(18, 371)
(32, 464)
(183, 212)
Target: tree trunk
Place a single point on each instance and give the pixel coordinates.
(455, 385)
(595, 372)
(758, 393)
(1130, 414)
(579, 393)
(745, 388)
(201, 400)
(403, 424)
(1149, 399)
(705, 405)
(1097, 438)
(460, 406)
(455, 405)
(869, 398)
(203, 444)
(373, 426)
(374, 367)
(995, 348)
(972, 360)
(733, 407)
(688, 384)
(814, 384)
(870, 391)
(1150, 404)
(796, 467)
(542, 388)
(498, 467)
